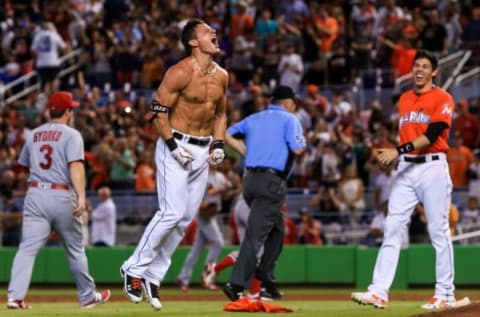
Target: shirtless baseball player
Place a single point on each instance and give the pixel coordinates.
(56, 198)
(189, 105)
(425, 114)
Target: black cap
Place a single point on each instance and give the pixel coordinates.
(283, 92)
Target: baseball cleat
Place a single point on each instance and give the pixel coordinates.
(233, 292)
(17, 304)
(436, 303)
(270, 294)
(208, 277)
(369, 298)
(100, 298)
(132, 287)
(183, 286)
(151, 291)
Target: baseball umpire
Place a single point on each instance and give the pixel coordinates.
(272, 138)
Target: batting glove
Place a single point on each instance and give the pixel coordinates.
(216, 156)
(182, 156)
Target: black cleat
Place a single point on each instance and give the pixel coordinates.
(233, 292)
(132, 287)
(270, 293)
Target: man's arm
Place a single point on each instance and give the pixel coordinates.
(166, 96)
(386, 156)
(236, 144)
(77, 175)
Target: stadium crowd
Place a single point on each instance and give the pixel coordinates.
(312, 46)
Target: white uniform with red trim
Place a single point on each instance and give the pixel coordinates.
(49, 203)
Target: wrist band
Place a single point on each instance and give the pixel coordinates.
(405, 148)
(218, 144)
(172, 145)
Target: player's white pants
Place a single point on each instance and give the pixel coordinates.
(430, 184)
(180, 191)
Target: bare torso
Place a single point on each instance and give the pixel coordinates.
(197, 102)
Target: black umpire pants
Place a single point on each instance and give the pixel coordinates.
(264, 193)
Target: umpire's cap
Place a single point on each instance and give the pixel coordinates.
(283, 92)
(61, 100)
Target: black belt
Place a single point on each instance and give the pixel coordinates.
(420, 159)
(191, 139)
(267, 170)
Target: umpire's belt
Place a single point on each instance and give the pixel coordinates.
(191, 139)
(421, 158)
(267, 170)
(48, 185)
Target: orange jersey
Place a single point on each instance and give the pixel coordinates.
(416, 112)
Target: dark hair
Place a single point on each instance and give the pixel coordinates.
(188, 33)
(55, 114)
(428, 55)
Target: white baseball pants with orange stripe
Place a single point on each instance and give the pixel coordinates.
(430, 184)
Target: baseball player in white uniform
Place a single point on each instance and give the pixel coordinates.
(54, 155)
(208, 229)
(188, 108)
(422, 175)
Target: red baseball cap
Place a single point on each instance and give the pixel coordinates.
(61, 100)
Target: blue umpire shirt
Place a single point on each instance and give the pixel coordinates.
(271, 136)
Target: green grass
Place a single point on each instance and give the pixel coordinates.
(213, 308)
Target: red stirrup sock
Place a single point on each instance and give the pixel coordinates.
(225, 262)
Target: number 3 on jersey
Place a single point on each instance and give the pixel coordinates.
(47, 150)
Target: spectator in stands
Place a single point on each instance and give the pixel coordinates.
(388, 13)
(293, 8)
(473, 175)
(453, 219)
(362, 46)
(383, 185)
(242, 22)
(241, 59)
(363, 14)
(467, 124)
(326, 28)
(402, 56)
(291, 234)
(47, 44)
(123, 165)
(459, 158)
(434, 36)
(351, 196)
(145, 173)
(339, 65)
(453, 27)
(310, 229)
(10, 221)
(104, 220)
(265, 26)
(314, 103)
(377, 225)
(470, 217)
(290, 68)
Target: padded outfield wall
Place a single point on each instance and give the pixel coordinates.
(342, 265)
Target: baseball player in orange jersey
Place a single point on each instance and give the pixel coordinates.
(425, 115)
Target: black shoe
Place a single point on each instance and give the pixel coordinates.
(233, 292)
(151, 290)
(270, 293)
(132, 287)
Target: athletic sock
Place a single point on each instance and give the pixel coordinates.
(255, 286)
(225, 262)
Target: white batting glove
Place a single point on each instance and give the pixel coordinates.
(216, 156)
(182, 156)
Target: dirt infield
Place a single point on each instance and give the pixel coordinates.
(472, 310)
